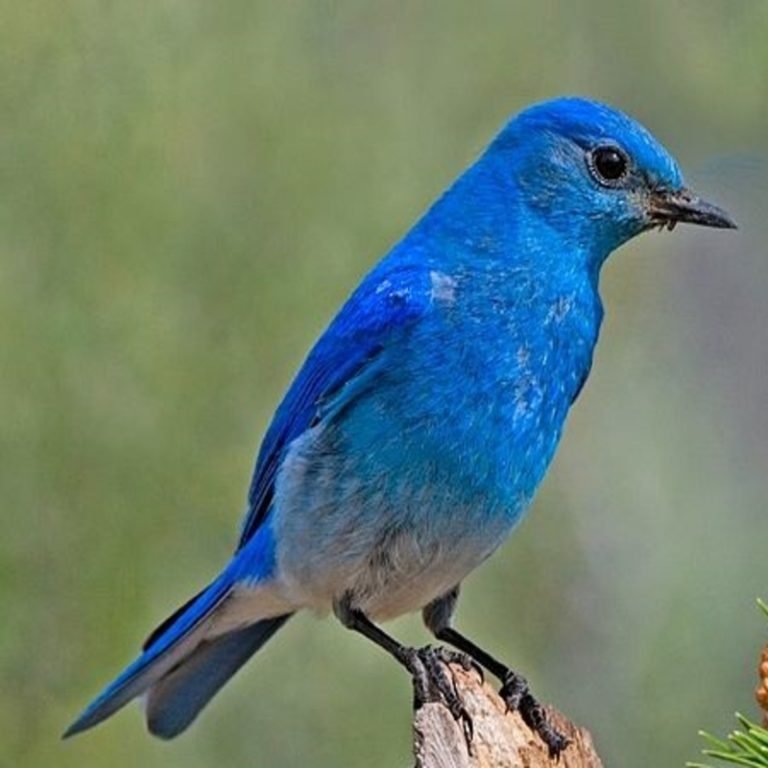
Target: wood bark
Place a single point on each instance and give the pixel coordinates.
(501, 739)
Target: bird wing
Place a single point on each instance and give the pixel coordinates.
(387, 302)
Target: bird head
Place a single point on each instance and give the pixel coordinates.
(597, 175)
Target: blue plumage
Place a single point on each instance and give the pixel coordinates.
(422, 422)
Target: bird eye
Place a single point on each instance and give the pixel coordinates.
(609, 165)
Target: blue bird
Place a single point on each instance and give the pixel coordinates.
(415, 434)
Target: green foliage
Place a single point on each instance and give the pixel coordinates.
(743, 747)
(748, 746)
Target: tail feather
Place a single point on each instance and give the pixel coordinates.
(200, 646)
(175, 700)
(162, 653)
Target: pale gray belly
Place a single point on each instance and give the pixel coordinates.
(392, 544)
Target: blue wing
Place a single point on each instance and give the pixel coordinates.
(386, 304)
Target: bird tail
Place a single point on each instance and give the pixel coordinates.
(177, 698)
(185, 661)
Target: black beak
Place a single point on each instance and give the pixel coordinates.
(668, 207)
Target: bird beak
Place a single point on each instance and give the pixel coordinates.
(668, 207)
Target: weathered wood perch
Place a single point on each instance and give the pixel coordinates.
(501, 739)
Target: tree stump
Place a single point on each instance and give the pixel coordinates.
(501, 739)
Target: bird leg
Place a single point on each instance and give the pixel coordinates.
(431, 679)
(514, 689)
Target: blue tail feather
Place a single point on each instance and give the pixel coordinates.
(184, 663)
(161, 653)
(175, 700)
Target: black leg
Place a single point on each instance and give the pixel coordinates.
(514, 688)
(431, 679)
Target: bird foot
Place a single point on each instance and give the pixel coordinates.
(514, 688)
(518, 698)
(464, 660)
(433, 682)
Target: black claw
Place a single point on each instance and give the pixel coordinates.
(421, 682)
(432, 681)
(514, 690)
(518, 697)
(464, 660)
(535, 718)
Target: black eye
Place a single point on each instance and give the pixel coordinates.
(609, 165)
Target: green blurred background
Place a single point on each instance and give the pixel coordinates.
(189, 189)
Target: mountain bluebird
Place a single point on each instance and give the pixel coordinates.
(417, 431)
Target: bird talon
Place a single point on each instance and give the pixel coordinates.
(535, 718)
(514, 690)
(433, 681)
(464, 660)
(556, 744)
(468, 727)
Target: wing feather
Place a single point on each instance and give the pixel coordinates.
(387, 303)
